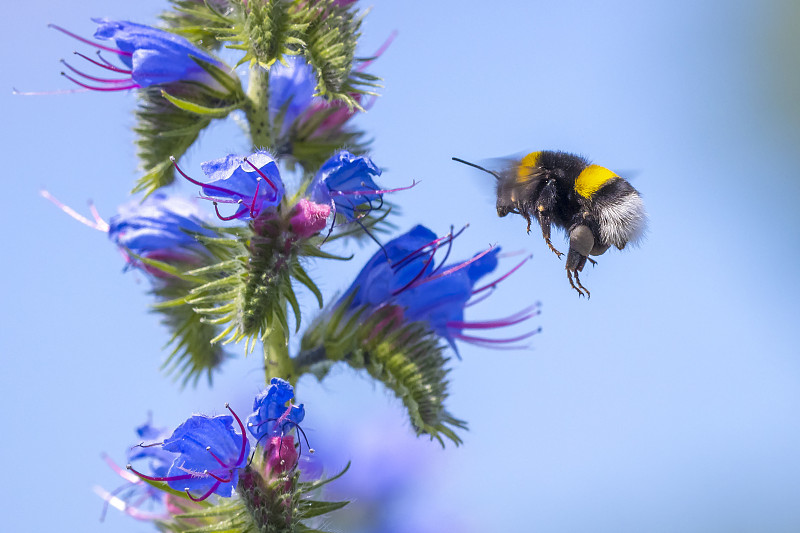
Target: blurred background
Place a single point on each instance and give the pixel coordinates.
(668, 402)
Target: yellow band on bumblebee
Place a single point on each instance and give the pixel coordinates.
(528, 162)
(591, 179)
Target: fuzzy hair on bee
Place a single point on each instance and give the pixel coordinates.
(597, 208)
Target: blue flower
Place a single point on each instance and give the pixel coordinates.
(270, 414)
(253, 183)
(209, 456)
(404, 274)
(149, 56)
(291, 90)
(345, 182)
(162, 228)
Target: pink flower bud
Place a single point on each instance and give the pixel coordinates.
(309, 218)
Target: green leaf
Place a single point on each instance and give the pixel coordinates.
(191, 107)
(312, 508)
(163, 130)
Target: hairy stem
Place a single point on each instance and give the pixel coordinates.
(277, 363)
(257, 107)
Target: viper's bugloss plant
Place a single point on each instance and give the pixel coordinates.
(237, 280)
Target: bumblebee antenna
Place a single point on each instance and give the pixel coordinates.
(495, 174)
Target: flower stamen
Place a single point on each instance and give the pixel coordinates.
(90, 43)
(504, 276)
(260, 173)
(94, 78)
(103, 89)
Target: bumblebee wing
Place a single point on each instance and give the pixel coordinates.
(518, 183)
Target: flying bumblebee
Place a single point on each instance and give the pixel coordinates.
(597, 208)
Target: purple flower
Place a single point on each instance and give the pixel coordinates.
(404, 274)
(149, 56)
(209, 456)
(345, 182)
(161, 228)
(271, 417)
(253, 183)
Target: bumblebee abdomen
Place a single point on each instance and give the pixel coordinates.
(619, 211)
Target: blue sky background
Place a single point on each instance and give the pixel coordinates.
(668, 402)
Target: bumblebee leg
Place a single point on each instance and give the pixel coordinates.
(572, 283)
(581, 242)
(545, 223)
(592, 261)
(527, 219)
(578, 283)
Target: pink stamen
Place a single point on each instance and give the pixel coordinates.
(204, 496)
(434, 243)
(480, 298)
(469, 338)
(94, 78)
(261, 173)
(419, 275)
(104, 89)
(419, 251)
(244, 435)
(166, 478)
(457, 267)
(516, 318)
(131, 510)
(204, 185)
(223, 465)
(372, 191)
(105, 64)
(233, 216)
(255, 196)
(87, 41)
(97, 218)
(99, 225)
(124, 474)
(501, 278)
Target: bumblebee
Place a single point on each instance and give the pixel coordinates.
(597, 208)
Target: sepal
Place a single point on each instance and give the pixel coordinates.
(193, 354)
(171, 117)
(247, 291)
(204, 22)
(407, 358)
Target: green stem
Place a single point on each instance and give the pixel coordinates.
(257, 107)
(277, 363)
